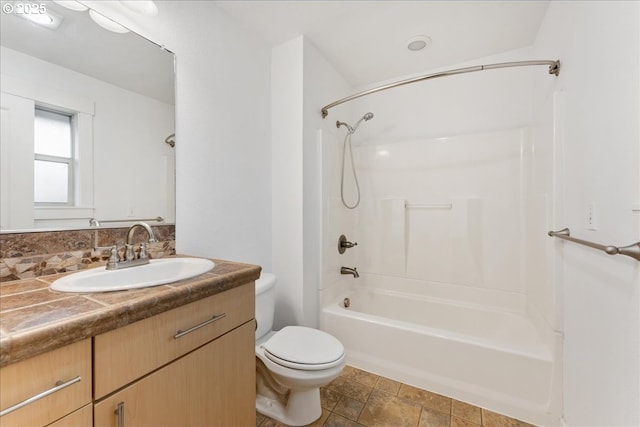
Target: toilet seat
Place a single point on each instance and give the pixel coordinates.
(298, 347)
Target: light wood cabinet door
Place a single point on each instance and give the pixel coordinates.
(45, 388)
(211, 386)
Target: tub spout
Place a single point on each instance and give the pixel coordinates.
(348, 270)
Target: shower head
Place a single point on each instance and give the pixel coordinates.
(353, 129)
(366, 117)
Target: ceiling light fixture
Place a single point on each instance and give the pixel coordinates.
(71, 4)
(145, 7)
(45, 18)
(418, 43)
(107, 23)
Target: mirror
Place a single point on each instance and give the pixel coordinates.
(118, 91)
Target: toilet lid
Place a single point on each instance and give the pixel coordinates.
(304, 348)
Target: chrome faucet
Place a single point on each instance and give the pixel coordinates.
(349, 270)
(129, 259)
(152, 236)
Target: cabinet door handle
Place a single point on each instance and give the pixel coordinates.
(216, 317)
(59, 386)
(120, 414)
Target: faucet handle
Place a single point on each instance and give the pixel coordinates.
(143, 254)
(129, 255)
(344, 244)
(114, 259)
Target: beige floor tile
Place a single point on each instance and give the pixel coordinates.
(426, 398)
(433, 418)
(328, 398)
(352, 389)
(387, 385)
(459, 422)
(336, 420)
(268, 422)
(492, 419)
(320, 421)
(385, 410)
(349, 408)
(360, 376)
(466, 411)
(361, 399)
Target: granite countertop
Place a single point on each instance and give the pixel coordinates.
(34, 319)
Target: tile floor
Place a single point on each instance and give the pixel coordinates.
(359, 398)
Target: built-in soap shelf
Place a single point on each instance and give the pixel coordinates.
(408, 205)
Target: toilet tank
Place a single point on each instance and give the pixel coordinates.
(265, 303)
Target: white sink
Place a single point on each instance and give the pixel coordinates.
(157, 272)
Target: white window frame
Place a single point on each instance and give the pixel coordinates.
(69, 161)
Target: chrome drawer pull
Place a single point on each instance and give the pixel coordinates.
(188, 331)
(120, 414)
(59, 386)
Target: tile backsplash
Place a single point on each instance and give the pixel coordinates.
(28, 255)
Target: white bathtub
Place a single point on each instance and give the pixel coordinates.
(488, 357)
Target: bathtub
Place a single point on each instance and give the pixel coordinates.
(487, 356)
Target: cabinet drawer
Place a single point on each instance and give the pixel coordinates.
(125, 354)
(65, 373)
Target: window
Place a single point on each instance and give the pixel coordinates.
(53, 148)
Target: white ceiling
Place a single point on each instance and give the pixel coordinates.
(366, 40)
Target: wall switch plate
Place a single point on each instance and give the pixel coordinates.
(592, 223)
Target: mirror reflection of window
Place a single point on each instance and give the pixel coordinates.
(53, 167)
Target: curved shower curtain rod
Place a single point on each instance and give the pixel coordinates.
(554, 68)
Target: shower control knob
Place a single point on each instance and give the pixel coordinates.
(343, 244)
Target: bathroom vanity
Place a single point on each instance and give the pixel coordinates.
(176, 354)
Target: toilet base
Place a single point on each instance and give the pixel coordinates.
(302, 408)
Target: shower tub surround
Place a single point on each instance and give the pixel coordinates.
(31, 255)
(448, 231)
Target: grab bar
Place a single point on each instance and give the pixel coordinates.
(632, 250)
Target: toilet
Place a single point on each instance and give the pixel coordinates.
(291, 364)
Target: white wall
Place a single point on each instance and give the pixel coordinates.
(223, 153)
(302, 81)
(287, 180)
(597, 103)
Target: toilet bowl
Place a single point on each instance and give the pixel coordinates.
(291, 364)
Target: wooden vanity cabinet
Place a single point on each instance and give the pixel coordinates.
(190, 366)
